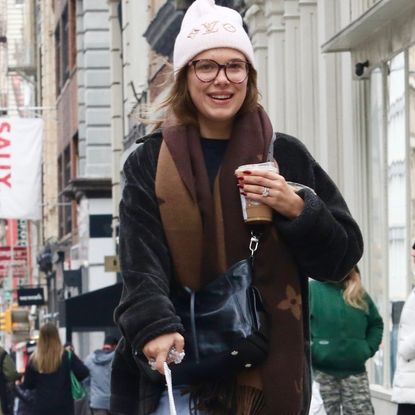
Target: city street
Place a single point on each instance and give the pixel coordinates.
(83, 81)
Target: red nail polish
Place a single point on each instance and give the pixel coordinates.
(240, 179)
(243, 193)
(241, 186)
(246, 172)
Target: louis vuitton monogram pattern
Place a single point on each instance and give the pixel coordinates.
(211, 27)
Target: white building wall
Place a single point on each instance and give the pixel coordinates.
(92, 251)
(316, 97)
(307, 94)
(93, 61)
(95, 101)
(117, 110)
(135, 20)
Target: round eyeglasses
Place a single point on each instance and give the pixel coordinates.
(206, 70)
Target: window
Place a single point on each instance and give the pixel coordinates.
(377, 207)
(65, 45)
(411, 156)
(100, 226)
(391, 162)
(58, 54)
(74, 173)
(64, 176)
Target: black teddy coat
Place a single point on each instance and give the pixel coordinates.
(324, 240)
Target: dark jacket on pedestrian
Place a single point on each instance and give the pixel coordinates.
(324, 242)
(53, 394)
(26, 400)
(343, 337)
(9, 376)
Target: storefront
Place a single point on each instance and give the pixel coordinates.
(382, 46)
(91, 312)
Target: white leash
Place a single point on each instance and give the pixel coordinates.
(167, 375)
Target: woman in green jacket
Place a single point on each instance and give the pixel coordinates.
(346, 330)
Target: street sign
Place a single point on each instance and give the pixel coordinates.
(30, 296)
(112, 263)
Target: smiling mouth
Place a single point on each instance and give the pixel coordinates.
(221, 97)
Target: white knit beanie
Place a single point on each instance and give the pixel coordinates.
(207, 26)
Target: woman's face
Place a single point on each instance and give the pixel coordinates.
(218, 101)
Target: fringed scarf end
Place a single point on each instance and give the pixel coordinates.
(250, 401)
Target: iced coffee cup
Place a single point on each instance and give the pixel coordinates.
(255, 212)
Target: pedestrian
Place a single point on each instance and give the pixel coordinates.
(25, 400)
(25, 397)
(48, 374)
(81, 404)
(346, 330)
(99, 380)
(404, 380)
(181, 224)
(8, 376)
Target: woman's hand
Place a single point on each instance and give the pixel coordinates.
(281, 196)
(158, 348)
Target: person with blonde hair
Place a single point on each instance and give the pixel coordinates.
(346, 330)
(48, 374)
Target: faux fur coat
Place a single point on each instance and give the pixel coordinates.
(324, 241)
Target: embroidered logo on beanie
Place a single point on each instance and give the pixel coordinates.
(207, 26)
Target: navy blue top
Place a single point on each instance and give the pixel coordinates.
(213, 153)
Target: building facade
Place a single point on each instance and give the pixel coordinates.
(19, 238)
(340, 77)
(76, 83)
(380, 39)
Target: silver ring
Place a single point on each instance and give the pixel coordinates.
(265, 192)
(152, 364)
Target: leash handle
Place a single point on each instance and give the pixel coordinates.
(167, 375)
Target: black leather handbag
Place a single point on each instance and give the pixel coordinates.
(225, 325)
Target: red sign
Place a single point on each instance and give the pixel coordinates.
(5, 165)
(13, 260)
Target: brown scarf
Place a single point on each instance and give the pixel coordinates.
(206, 234)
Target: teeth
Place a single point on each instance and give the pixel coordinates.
(221, 96)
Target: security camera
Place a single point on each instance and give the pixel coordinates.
(360, 68)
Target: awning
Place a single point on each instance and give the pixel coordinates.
(379, 18)
(92, 311)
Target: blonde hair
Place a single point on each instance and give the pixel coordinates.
(48, 355)
(354, 293)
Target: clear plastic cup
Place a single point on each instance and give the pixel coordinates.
(255, 212)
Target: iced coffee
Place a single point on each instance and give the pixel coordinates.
(255, 212)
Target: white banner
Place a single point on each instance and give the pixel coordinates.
(20, 168)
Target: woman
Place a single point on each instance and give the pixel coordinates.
(181, 224)
(404, 379)
(47, 373)
(346, 330)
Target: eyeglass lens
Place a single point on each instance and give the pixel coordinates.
(207, 70)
